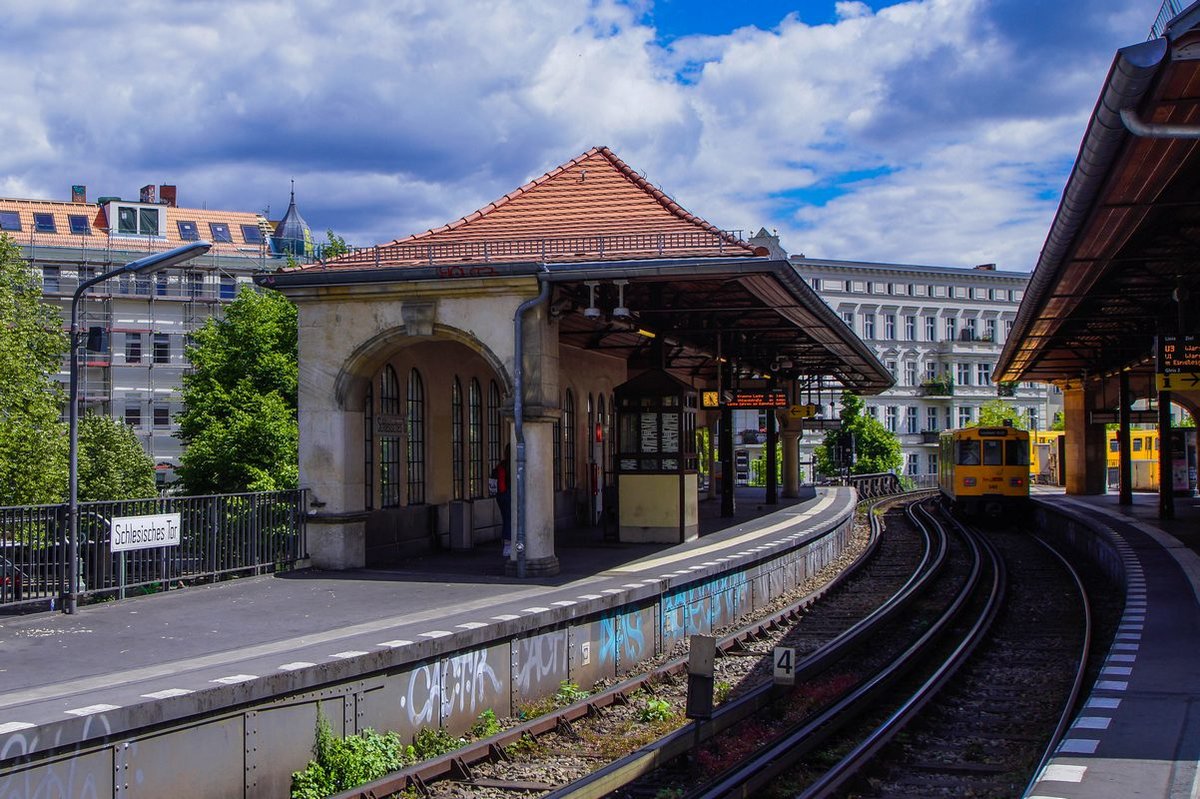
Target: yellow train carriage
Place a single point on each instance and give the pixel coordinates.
(984, 470)
(1143, 455)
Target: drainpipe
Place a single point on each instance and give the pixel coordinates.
(519, 414)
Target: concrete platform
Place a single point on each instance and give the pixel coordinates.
(1139, 732)
(70, 684)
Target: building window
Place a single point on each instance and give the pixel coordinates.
(162, 415)
(415, 425)
(493, 423)
(220, 232)
(931, 328)
(931, 370)
(369, 447)
(188, 230)
(951, 328)
(983, 373)
(160, 283)
(252, 234)
(964, 416)
(889, 327)
(44, 223)
(910, 420)
(869, 326)
(891, 367)
(911, 461)
(133, 414)
(910, 328)
(10, 220)
(389, 445)
(816, 284)
(970, 331)
(50, 280)
(931, 422)
(569, 439)
(162, 348)
(474, 439)
(989, 329)
(228, 287)
(931, 459)
(134, 221)
(848, 318)
(133, 348)
(141, 284)
(195, 284)
(79, 225)
(910, 373)
(456, 439)
(1032, 414)
(964, 374)
(556, 465)
(889, 418)
(1008, 326)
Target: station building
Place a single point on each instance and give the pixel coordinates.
(139, 325)
(574, 321)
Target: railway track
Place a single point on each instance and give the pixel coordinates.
(924, 592)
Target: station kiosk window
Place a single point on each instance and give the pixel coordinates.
(657, 478)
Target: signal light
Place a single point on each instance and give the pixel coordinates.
(599, 433)
(1016, 482)
(969, 482)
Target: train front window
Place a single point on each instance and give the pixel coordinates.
(1016, 453)
(968, 453)
(993, 453)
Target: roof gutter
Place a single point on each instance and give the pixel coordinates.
(1131, 75)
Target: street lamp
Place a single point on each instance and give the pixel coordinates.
(159, 260)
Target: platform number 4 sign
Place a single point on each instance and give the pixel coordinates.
(785, 665)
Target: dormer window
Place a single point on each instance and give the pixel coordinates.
(79, 225)
(252, 234)
(135, 221)
(188, 230)
(44, 223)
(10, 220)
(220, 232)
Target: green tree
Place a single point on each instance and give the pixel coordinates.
(239, 419)
(995, 413)
(112, 462)
(875, 448)
(33, 440)
(334, 246)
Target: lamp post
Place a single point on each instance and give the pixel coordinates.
(159, 260)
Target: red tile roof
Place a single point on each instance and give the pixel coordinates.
(594, 207)
(98, 237)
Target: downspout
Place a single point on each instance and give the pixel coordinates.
(519, 413)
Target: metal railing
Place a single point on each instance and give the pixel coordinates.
(1167, 12)
(221, 534)
(547, 249)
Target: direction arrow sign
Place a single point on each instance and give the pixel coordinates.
(1182, 381)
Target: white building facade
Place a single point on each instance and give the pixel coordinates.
(939, 330)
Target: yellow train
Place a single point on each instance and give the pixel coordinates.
(984, 470)
(1046, 458)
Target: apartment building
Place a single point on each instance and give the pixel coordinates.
(132, 364)
(939, 330)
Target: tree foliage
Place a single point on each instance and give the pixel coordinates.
(995, 413)
(239, 419)
(33, 440)
(875, 448)
(112, 462)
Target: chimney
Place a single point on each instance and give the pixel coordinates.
(146, 194)
(166, 194)
(79, 194)
(986, 267)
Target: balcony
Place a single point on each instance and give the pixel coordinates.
(930, 436)
(938, 387)
(967, 342)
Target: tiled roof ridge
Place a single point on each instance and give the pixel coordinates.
(631, 174)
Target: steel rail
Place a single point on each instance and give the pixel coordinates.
(458, 762)
(752, 776)
(625, 770)
(1069, 707)
(853, 763)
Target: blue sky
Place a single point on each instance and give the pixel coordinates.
(928, 131)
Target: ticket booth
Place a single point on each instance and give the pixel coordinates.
(657, 478)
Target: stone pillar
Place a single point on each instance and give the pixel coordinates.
(331, 467)
(791, 466)
(1087, 462)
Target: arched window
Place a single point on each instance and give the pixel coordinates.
(389, 445)
(456, 437)
(602, 420)
(474, 438)
(415, 424)
(369, 447)
(556, 466)
(569, 438)
(493, 424)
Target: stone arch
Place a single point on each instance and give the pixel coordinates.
(366, 358)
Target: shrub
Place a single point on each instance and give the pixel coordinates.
(486, 725)
(656, 710)
(343, 763)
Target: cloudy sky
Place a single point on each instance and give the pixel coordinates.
(928, 131)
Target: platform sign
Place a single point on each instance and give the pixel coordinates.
(144, 532)
(710, 399)
(803, 411)
(1178, 363)
(822, 424)
(774, 398)
(785, 665)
